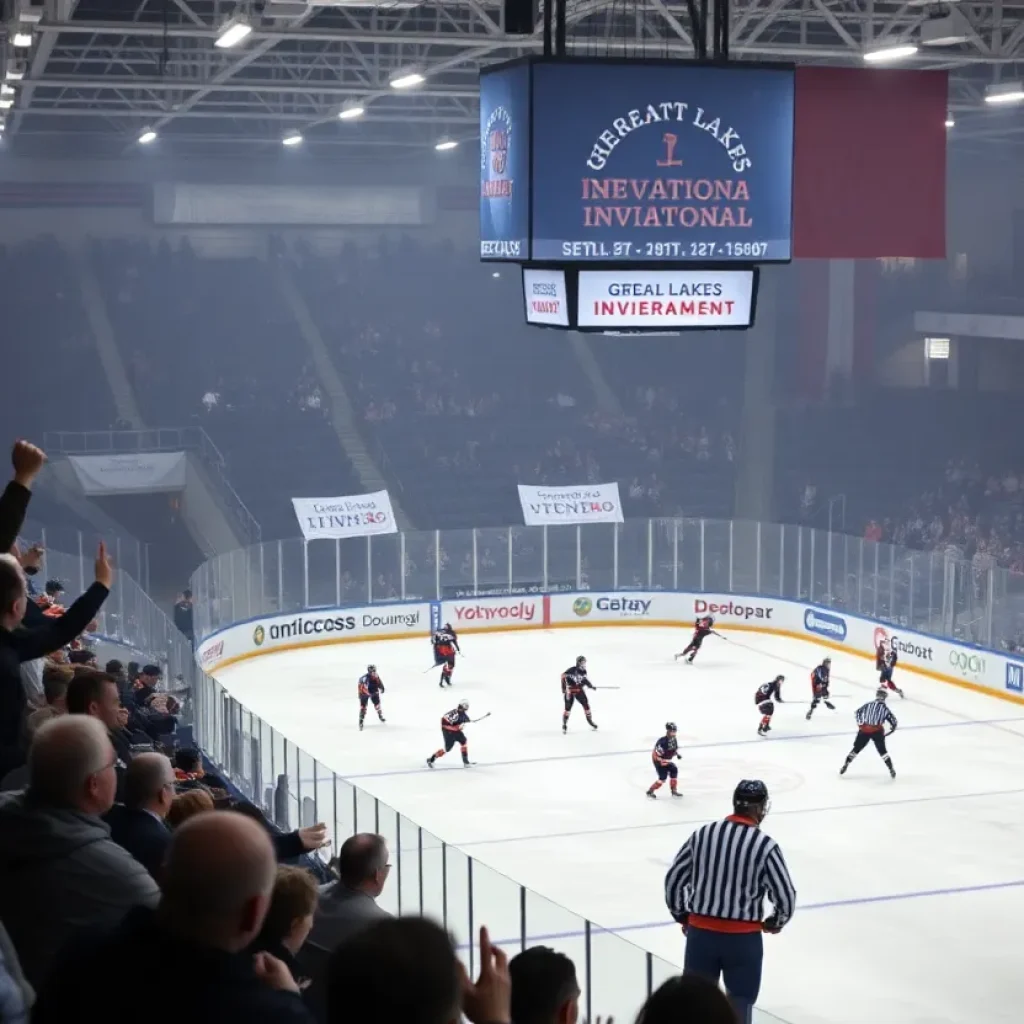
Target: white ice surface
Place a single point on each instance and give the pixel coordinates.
(910, 891)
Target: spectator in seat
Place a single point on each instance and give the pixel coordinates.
(139, 824)
(346, 907)
(290, 917)
(59, 870)
(188, 805)
(544, 987)
(147, 684)
(56, 679)
(94, 693)
(183, 613)
(689, 999)
(404, 969)
(84, 657)
(217, 886)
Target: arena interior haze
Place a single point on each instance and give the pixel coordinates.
(515, 511)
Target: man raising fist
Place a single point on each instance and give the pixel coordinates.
(27, 460)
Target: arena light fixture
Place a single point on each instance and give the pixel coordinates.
(232, 32)
(147, 137)
(292, 139)
(445, 144)
(351, 110)
(950, 123)
(1004, 92)
(14, 74)
(21, 39)
(407, 80)
(6, 90)
(888, 54)
(6, 102)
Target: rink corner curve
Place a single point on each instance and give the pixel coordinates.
(995, 673)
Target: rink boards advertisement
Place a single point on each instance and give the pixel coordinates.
(972, 667)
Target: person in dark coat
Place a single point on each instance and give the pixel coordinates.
(290, 918)
(217, 885)
(138, 824)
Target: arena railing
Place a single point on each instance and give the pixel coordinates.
(932, 592)
(158, 439)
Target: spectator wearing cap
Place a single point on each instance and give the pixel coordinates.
(544, 987)
(59, 870)
(146, 685)
(217, 886)
(715, 889)
(18, 645)
(140, 823)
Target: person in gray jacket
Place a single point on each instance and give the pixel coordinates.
(345, 908)
(59, 869)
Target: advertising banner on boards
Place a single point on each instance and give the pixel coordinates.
(355, 515)
(566, 506)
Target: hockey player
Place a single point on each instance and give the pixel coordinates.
(872, 719)
(370, 689)
(664, 756)
(885, 661)
(574, 682)
(819, 687)
(767, 694)
(704, 625)
(446, 645)
(451, 732)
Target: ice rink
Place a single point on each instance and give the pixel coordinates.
(909, 891)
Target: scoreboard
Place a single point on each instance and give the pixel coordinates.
(617, 162)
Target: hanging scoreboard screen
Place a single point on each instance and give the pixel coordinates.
(587, 161)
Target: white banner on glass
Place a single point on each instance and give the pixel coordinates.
(355, 515)
(564, 506)
(140, 473)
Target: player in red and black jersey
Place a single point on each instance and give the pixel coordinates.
(574, 682)
(446, 646)
(767, 694)
(451, 733)
(885, 661)
(664, 756)
(704, 625)
(370, 689)
(820, 682)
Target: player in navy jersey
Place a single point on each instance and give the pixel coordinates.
(370, 689)
(885, 661)
(451, 733)
(664, 756)
(820, 682)
(446, 645)
(574, 683)
(704, 625)
(872, 718)
(767, 694)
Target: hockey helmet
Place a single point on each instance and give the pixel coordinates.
(463, 704)
(826, 661)
(750, 791)
(371, 670)
(581, 661)
(780, 679)
(670, 727)
(882, 693)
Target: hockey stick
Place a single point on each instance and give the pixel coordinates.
(607, 687)
(481, 718)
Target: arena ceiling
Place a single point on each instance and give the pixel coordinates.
(100, 72)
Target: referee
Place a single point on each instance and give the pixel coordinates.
(715, 889)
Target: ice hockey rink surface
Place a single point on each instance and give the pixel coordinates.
(910, 891)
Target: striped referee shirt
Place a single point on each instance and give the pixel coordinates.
(876, 713)
(722, 874)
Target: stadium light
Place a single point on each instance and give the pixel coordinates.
(885, 54)
(6, 102)
(445, 144)
(351, 110)
(291, 139)
(147, 136)
(1004, 92)
(6, 90)
(14, 74)
(232, 32)
(21, 39)
(407, 80)
(950, 123)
